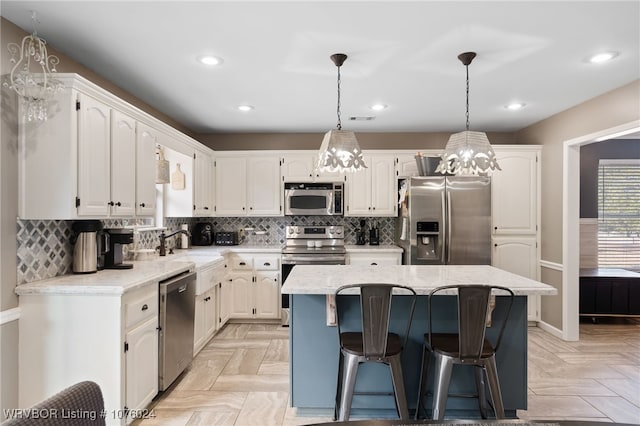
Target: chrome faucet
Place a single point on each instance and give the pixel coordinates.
(163, 237)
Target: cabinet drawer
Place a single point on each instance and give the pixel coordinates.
(267, 263)
(141, 308)
(240, 262)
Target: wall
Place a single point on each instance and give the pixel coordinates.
(611, 109)
(237, 141)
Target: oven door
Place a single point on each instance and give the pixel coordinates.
(316, 202)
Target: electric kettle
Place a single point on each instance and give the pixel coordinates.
(88, 246)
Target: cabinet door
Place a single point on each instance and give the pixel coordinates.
(298, 168)
(203, 185)
(94, 159)
(210, 314)
(514, 193)
(358, 189)
(142, 365)
(199, 328)
(263, 186)
(406, 166)
(224, 301)
(267, 295)
(231, 184)
(241, 303)
(146, 142)
(518, 255)
(383, 181)
(374, 259)
(123, 164)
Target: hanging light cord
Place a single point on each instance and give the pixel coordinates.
(467, 67)
(338, 109)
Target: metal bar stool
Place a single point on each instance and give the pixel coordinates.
(469, 346)
(371, 343)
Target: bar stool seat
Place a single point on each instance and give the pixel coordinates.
(371, 343)
(469, 347)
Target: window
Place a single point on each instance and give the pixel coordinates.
(619, 213)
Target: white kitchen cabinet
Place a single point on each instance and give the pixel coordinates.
(208, 280)
(147, 139)
(111, 339)
(255, 285)
(374, 257)
(303, 167)
(372, 192)
(406, 165)
(88, 160)
(178, 199)
(248, 185)
(519, 255)
(203, 199)
(514, 193)
(223, 301)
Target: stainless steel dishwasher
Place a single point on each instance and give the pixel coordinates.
(177, 310)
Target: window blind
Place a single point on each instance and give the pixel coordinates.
(619, 213)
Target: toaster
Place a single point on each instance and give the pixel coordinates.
(227, 238)
(202, 234)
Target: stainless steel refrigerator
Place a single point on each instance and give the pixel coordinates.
(445, 220)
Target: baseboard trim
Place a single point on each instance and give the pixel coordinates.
(9, 315)
(550, 329)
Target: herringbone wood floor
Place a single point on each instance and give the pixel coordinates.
(241, 378)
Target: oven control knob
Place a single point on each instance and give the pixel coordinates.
(291, 230)
(338, 231)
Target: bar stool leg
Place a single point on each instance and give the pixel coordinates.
(424, 373)
(444, 365)
(398, 387)
(494, 387)
(482, 390)
(348, 386)
(336, 407)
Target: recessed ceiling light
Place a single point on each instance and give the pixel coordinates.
(378, 107)
(599, 58)
(515, 106)
(210, 60)
(245, 108)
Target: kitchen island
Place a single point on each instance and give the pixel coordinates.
(314, 344)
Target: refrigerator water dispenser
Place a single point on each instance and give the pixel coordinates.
(427, 234)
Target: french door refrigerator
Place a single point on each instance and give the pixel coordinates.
(445, 220)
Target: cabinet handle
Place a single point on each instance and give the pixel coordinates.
(374, 208)
(142, 204)
(310, 175)
(495, 228)
(206, 208)
(495, 244)
(110, 203)
(118, 204)
(374, 264)
(145, 307)
(243, 209)
(242, 264)
(267, 264)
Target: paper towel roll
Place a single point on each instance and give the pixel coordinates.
(184, 240)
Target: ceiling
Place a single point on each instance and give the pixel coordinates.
(401, 54)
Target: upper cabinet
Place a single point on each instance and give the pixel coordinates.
(93, 158)
(515, 192)
(203, 187)
(303, 167)
(248, 185)
(372, 191)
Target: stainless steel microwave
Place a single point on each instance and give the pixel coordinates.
(314, 198)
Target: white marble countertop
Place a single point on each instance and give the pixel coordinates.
(352, 248)
(157, 268)
(326, 279)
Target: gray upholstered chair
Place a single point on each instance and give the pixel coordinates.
(468, 346)
(78, 405)
(372, 342)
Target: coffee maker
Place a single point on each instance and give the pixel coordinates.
(118, 238)
(89, 246)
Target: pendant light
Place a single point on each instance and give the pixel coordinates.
(340, 151)
(468, 152)
(31, 76)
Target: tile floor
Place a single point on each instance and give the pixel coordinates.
(241, 378)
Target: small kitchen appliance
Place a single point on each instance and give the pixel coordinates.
(202, 234)
(374, 235)
(118, 238)
(313, 198)
(88, 246)
(361, 234)
(227, 238)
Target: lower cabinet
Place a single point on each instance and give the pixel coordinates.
(518, 255)
(111, 339)
(207, 306)
(254, 282)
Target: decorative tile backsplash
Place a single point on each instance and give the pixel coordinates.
(45, 248)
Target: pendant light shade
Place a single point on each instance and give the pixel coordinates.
(468, 152)
(340, 151)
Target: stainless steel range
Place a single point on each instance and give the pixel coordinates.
(310, 245)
